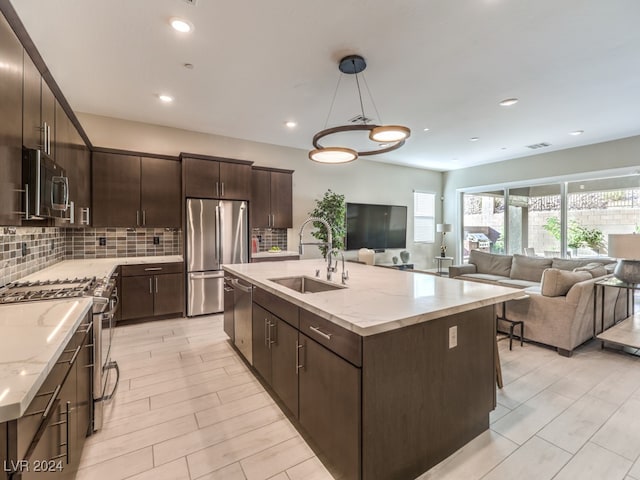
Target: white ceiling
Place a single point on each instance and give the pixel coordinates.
(441, 64)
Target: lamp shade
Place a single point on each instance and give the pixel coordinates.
(443, 227)
(626, 246)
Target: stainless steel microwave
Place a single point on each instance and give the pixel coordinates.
(46, 187)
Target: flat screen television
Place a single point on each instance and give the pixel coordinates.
(376, 226)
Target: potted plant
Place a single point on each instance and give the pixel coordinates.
(332, 208)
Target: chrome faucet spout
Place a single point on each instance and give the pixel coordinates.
(328, 243)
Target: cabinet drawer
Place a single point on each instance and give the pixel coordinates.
(151, 269)
(279, 307)
(337, 339)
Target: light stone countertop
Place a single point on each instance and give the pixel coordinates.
(281, 253)
(377, 299)
(95, 267)
(33, 335)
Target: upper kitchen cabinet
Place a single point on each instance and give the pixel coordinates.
(74, 156)
(133, 191)
(39, 111)
(10, 125)
(213, 177)
(271, 198)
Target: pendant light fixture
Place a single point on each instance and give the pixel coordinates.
(390, 137)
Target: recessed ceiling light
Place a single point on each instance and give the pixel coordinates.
(165, 98)
(291, 124)
(507, 102)
(474, 139)
(181, 25)
(576, 132)
(425, 129)
(188, 66)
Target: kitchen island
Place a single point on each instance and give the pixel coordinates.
(385, 376)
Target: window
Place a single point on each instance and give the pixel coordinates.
(424, 207)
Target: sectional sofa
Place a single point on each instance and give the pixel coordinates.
(558, 308)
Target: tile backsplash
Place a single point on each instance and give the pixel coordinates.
(24, 250)
(121, 242)
(270, 237)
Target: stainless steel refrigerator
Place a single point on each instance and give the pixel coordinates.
(217, 233)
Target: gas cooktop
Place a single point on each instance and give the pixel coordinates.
(47, 290)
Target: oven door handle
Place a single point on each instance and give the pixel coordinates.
(112, 366)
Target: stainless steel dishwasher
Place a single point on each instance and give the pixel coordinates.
(243, 335)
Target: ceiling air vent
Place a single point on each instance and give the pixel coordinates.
(535, 146)
(360, 119)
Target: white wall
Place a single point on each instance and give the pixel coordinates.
(577, 162)
(361, 181)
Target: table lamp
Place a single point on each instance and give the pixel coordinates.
(626, 248)
(443, 228)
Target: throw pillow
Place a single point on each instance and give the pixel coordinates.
(529, 268)
(556, 282)
(490, 263)
(595, 269)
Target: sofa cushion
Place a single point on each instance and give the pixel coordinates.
(529, 268)
(595, 269)
(514, 282)
(569, 263)
(556, 282)
(491, 263)
(482, 277)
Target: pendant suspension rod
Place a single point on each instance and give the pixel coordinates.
(359, 95)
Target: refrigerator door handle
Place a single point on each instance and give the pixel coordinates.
(204, 276)
(217, 239)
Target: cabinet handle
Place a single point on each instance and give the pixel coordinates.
(47, 409)
(49, 139)
(144, 217)
(222, 189)
(298, 364)
(68, 443)
(152, 269)
(150, 286)
(320, 332)
(266, 333)
(75, 354)
(138, 218)
(271, 340)
(217, 189)
(156, 284)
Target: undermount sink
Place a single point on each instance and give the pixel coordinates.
(304, 284)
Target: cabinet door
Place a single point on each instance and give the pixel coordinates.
(160, 189)
(329, 408)
(84, 400)
(260, 208)
(169, 293)
(137, 297)
(261, 322)
(48, 111)
(235, 181)
(32, 135)
(69, 415)
(200, 177)
(116, 190)
(284, 378)
(10, 126)
(4, 452)
(281, 200)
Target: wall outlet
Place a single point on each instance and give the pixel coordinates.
(156, 240)
(24, 249)
(453, 336)
(102, 241)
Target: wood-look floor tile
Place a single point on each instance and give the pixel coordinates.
(535, 460)
(473, 460)
(618, 386)
(154, 367)
(220, 432)
(98, 451)
(176, 470)
(117, 468)
(311, 469)
(218, 413)
(525, 388)
(233, 393)
(222, 454)
(595, 462)
(635, 470)
(621, 433)
(497, 413)
(114, 411)
(574, 427)
(280, 457)
(230, 472)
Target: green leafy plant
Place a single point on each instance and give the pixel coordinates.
(332, 208)
(578, 235)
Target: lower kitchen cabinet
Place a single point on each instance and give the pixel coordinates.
(151, 290)
(229, 308)
(47, 441)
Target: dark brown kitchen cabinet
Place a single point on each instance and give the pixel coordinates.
(73, 155)
(10, 127)
(330, 405)
(211, 177)
(151, 290)
(271, 198)
(275, 354)
(39, 110)
(133, 191)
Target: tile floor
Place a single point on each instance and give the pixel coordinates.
(188, 408)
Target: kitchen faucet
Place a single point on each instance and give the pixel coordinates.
(328, 243)
(345, 273)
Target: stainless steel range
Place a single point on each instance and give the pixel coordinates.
(105, 302)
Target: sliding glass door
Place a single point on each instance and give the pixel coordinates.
(483, 222)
